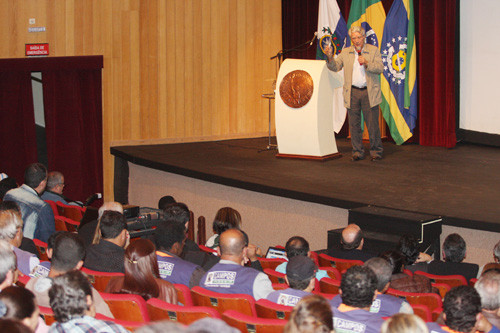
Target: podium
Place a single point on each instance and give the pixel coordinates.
(304, 110)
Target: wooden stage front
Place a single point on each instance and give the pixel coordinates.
(460, 184)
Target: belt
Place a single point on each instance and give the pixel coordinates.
(358, 88)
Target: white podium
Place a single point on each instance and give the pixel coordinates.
(306, 131)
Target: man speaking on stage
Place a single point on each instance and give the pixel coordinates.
(363, 66)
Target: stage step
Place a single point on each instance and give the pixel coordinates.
(382, 228)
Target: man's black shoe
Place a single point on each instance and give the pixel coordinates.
(376, 158)
(355, 158)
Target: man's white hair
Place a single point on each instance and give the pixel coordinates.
(10, 222)
(357, 29)
(8, 260)
(110, 205)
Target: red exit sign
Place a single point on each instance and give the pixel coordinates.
(41, 49)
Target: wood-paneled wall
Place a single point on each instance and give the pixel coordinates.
(174, 70)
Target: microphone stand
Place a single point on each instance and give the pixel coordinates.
(270, 96)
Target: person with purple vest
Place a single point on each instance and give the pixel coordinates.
(230, 276)
(300, 276)
(357, 290)
(11, 230)
(170, 238)
(385, 305)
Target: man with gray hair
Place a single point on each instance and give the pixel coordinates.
(488, 287)
(8, 265)
(362, 65)
(54, 189)
(383, 304)
(11, 231)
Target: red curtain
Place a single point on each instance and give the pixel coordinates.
(73, 117)
(436, 47)
(436, 33)
(17, 123)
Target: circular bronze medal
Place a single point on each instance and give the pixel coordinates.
(296, 88)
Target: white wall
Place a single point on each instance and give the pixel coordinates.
(479, 65)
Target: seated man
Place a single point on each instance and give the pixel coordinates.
(298, 246)
(454, 252)
(496, 260)
(108, 254)
(357, 290)
(351, 244)
(11, 230)
(179, 213)
(37, 215)
(230, 276)
(300, 276)
(170, 238)
(67, 256)
(8, 265)
(384, 305)
(488, 287)
(89, 231)
(72, 300)
(462, 313)
(54, 189)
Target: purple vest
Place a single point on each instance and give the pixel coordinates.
(229, 279)
(174, 269)
(288, 297)
(356, 321)
(384, 305)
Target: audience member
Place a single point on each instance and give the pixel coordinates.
(43, 268)
(414, 259)
(13, 326)
(454, 252)
(72, 300)
(55, 187)
(229, 275)
(170, 238)
(37, 215)
(179, 213)
(404, 323)
(90, 232)
(401, 281)
(165, 201)
(357, 289)
(20, 304)
(496, 260)
(27, 244)
(301, 277)
(312, 314)
(298, 246)
(351, 245)
(226, 218)
(107, 254)
(142, 276)
(385, 305)
(67, 256)
(462, 312)
(488, 288)
(8, 265)
(11, 230)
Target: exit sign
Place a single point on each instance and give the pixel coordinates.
(41, 49)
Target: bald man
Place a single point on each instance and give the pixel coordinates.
(230, 276)
(351, 245)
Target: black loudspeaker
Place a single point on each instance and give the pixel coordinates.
(382, 228)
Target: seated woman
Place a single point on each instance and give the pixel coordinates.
(20, 304)
(141, 274)
(226, 218)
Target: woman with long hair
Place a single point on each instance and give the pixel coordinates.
(20, 304)
(142, 276)
(226, 218)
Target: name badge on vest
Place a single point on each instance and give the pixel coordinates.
(222, 279)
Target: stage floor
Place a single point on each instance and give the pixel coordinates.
(460, 184)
